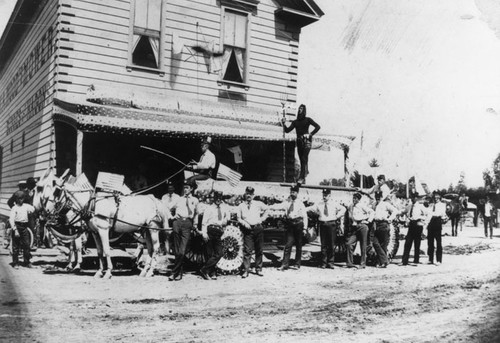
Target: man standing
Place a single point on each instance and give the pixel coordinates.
(304, 138)
(168, 200)
(296, 221)
(215, 219)
(416, 214)
(488, 217)
(250, 215)
(206, 166)
(11, 202)
(329, 213)
(385, 213)
(185, 208)
(18, 220)
(437, 216)
(361, 216)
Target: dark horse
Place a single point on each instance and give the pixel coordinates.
(454, 213)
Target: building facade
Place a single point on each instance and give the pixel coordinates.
(85, 84)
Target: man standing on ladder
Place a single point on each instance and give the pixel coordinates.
(304, 138)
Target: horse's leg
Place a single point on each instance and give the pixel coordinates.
(98, 244)
(71, 256)
(78, 254)
(154, 249)
(104, 236)
(147, 264)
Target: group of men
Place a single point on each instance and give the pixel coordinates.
(368, 223)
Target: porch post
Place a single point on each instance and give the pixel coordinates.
(79, 152)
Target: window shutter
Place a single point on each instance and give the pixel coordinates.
(235, 29)
(147, 14)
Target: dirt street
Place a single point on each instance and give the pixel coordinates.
(458, 301)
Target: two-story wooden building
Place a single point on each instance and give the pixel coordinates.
(85, 83)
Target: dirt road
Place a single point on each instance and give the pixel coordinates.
(458, 301)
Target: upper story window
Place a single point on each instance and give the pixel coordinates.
(145, 41)
(235, 41)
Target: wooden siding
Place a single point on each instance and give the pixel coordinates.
(96, 46)
(34, 122)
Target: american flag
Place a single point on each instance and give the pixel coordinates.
(226, 173)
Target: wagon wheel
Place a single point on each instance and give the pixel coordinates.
(232, 246)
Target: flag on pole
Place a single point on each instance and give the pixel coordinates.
(226, 173)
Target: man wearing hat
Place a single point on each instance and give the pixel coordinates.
(205, 168)
(416, 215)
(185, 211)
(295, 222)
(19, 216)
(361, 216)
(21, 185)
(329, 213)
(381, 186)
(385, 213)
(215, 219)
(251, 214)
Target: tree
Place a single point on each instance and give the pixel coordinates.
(374, 163)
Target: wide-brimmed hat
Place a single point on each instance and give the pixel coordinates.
(295, 188)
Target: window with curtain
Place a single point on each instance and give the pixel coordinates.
(234, 59)
(145, 43)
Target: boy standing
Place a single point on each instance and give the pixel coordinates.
(19, 218)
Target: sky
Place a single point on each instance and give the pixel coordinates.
(417, 81)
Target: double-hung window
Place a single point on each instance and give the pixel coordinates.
(235, 41)
(145, 42)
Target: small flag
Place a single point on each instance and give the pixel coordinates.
(226, 173)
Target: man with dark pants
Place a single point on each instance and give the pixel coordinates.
(329, 213)
(251, 214)
(416, 214)
(437, 215)
(361, 216)
(304, 138)
(185, 208)
(296, 221)
(19, 216)
(214, 220)
(385, 213)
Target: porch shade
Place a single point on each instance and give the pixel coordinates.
(91, 117)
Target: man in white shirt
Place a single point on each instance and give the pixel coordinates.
(437, 215)
(205, 168)
(295, 222)
(185, 211)
(488, 217)
(19, 221)
(416, 215)
(168, 200)
(214, 221)
(251, 214)
(329, 213)
(385, 213)
(361, 216)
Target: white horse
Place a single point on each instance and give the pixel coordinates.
(47, 203)
(123, 214)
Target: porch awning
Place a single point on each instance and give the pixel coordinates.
(91, 117)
